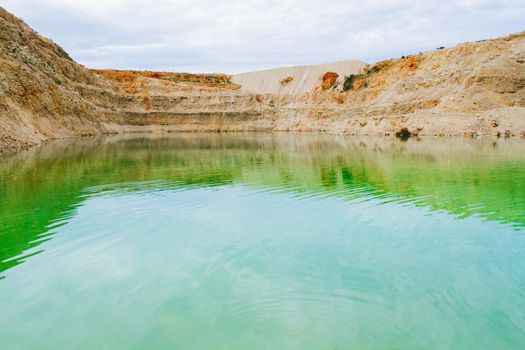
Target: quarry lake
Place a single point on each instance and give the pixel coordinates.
(263, 241)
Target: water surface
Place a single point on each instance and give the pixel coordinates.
(260, 241)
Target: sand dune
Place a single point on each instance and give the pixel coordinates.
(305, 78)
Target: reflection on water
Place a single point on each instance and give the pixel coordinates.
(263, 241)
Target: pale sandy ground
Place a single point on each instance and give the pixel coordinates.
(305, 78)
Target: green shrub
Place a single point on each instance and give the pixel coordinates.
(63, 54)
(349, 81)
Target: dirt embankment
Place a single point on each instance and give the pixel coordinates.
(130, 77)
(44, 95)
(473, 88)
(294, 80)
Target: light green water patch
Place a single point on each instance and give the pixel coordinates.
(263, 241)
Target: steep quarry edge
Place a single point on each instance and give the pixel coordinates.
(471, 89)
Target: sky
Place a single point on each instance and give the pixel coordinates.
(236, 36)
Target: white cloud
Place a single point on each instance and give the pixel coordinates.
(235, 36)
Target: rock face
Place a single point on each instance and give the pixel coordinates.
(286, 81)
(329, 80)
(40, 89)
(473, 88)
(45, 95)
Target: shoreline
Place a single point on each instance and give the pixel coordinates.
(6, 153)
(472, 89)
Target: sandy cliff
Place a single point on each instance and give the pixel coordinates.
(41, 89)
(295, 80)
(473, 88)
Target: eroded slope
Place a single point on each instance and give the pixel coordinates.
(473, 88)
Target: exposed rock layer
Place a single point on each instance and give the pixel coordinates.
(473, 88)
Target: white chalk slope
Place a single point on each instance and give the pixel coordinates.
(305, 78)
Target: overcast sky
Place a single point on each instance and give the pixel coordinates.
(233, 36)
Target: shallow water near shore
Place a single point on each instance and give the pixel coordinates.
(263, 241)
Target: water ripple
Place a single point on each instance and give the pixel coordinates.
(264, 242)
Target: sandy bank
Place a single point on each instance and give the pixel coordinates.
(294, 80)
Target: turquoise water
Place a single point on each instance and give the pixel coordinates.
(260, 241)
